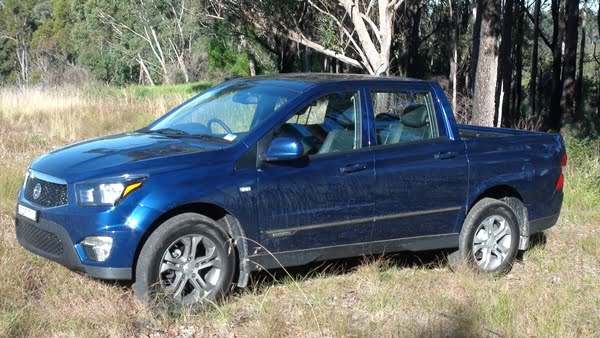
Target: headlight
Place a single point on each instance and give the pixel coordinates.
(108, 191)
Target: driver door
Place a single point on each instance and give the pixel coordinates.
(323, 199)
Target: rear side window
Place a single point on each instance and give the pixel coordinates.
(403, 116)
(327, 125)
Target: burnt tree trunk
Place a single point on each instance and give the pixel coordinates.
(517, 99)
(478, 9)
(579, 104)
(557, 38)
(534, 58)
(567, 101)
(487, 65)
(414, 40)
(286, 54)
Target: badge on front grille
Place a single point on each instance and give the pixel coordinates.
(37, 191)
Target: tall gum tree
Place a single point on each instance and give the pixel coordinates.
(366, 26)
(486, 73)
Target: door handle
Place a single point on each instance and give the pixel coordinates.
(352, 168)
(445, 155)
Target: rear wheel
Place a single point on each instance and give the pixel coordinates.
(489, 238)
(187, 260)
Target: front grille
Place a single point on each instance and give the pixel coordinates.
(39, 239)
(50, 194)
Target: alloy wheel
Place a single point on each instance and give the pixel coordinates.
(492, 242)
(190, 269)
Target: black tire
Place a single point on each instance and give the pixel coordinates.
(170, 247)
(493, 253)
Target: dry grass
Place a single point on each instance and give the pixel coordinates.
(552, 291)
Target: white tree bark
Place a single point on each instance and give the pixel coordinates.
(366, 37)
(146, 31)
(487, 65)
(144, 70)
(22, 59)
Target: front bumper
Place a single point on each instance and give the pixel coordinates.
(51, 240)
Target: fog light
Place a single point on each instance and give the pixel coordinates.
(97, 247)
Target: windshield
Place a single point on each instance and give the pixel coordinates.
(225, 114)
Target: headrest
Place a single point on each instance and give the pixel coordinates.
(415, 116)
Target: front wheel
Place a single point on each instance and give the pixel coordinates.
(489, 238)
(186, 260)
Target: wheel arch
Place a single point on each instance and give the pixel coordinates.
(498, 192)
(513, 198)
(228, 222)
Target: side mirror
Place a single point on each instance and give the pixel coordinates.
(283, 149)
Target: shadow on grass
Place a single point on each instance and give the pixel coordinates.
(433, 259)
(538, 240)
(462, 321)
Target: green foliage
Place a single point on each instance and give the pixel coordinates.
(190, 89)
(18, 20)
(328, 32)
(582, 177)
(54, 33)
(6, 62)
(222, 55)
(98, 46)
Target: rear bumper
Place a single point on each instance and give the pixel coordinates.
(51, 240)
(542, 224)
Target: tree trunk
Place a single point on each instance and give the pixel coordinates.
(251, 59)
(598, 92)
(598, 71)
(477, 12)
(500, 112)
(567, 102)
(286, 54)
(454, 12)
(412, 65)
(557, 38)
(306, 60)
(579, 104)
(144, 73)
(518, 53)
(505, 62)
(534, 58)
(487, 65)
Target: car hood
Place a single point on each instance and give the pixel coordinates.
(122, 154)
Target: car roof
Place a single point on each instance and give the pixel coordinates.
(303, 81)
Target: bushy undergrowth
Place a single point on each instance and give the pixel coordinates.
(552, 291)
(582, 174)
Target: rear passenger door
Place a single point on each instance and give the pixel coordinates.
(325, 198)
(421, 174)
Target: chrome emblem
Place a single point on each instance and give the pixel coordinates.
(37, 191)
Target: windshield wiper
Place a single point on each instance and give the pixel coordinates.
(180, 133)
(211, 138)
(170, 132)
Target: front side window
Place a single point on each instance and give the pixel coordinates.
(329, 124)
(227, 113)
(402, 117)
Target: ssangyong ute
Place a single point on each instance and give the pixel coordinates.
(286, 170)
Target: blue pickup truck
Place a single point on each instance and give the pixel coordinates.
(264, 172)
